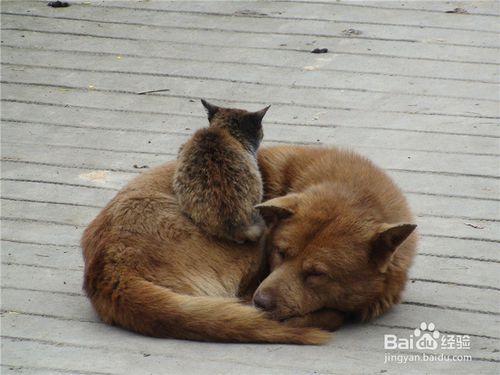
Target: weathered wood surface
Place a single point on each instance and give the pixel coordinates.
(416, 91)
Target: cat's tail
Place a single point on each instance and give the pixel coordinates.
(153, 310)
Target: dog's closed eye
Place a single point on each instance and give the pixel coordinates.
(281, 254)
(315, 275)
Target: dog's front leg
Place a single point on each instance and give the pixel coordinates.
(330, 320)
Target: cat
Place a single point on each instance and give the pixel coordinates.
(217, 181)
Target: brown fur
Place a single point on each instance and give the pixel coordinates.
(149, 269)
(341, 241)
(217, 180)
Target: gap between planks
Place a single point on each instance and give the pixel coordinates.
(310, 143)
(227, 80)
(299, 105)
(200, 117)
(239, 31)
(424, 215)
(10, 160)
(267, 140)
(417, 171)
(440, 60)
(152, 57)
(350, 4)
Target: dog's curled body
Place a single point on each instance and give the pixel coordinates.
(149, 269)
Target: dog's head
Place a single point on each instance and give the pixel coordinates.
(325, 252)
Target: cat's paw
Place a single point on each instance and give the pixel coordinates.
(254, 232)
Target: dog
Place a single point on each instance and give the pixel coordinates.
(151, 270)
(342, 237)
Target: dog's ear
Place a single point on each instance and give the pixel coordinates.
(386, 241)
(278, 208)
(211, 109)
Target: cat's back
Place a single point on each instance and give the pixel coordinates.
(212, 158)
(217, 182)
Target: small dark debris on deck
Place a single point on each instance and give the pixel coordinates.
(140, 166)
(457, 11)
(58, 4)
(320, 50)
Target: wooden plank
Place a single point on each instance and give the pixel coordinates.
(301, 97)
(269, 74)
(35, 277)
(41, 232)
(194, 29)
(69, 215)
(88, 177)
(361, 138)
(124, 103)
(404, 93)
(409, 12)
(452, 296)
(178, 122)
(91, 359)
(455, 227)
(478, 165)
(455, 271)
(487, 8)
(99, 336)
(37, 370)
(43, 256)
(97, 358)
(23, 158)
(86, 158)
(39, 191)
(379, 35)
(459, 247)
(410, 15)
(338, 61)
(468, 209)
(172, 57)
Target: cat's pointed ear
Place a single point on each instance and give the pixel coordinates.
(211, 109)
(386, 241)
(259, 115)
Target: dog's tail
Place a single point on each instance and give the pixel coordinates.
(153, 310)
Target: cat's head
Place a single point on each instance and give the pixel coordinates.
(245, 126)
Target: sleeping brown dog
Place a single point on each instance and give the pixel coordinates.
(149, 269)
(342, 237)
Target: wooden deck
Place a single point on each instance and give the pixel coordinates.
(407, 84)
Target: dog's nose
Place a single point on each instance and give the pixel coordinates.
(264, 300)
